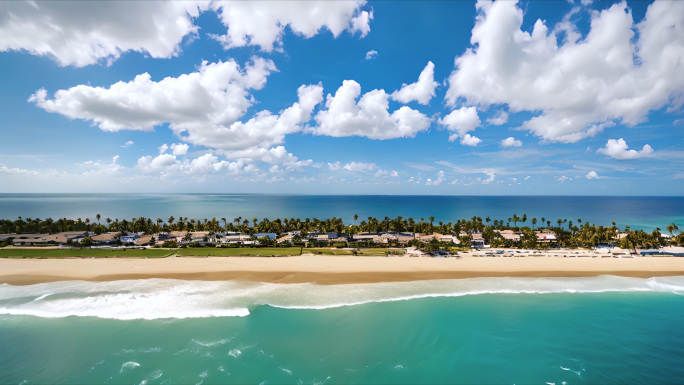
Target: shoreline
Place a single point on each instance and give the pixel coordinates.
(330, 270)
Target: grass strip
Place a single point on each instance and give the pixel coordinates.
(85, 253)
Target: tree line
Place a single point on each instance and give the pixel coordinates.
(568, 232)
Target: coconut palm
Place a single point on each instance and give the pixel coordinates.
(672, 228)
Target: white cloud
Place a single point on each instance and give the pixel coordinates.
(562, 179)
(360, 166)
(421, 91)
(263, 23)
(201, 108)
(215, 94)
(461, 121)
(162, 162)
(129, 143)
(511, 142)
(500, 118)
(162, 149)
(115, 158)
(617, 149)
(179, 148)
(334, 166)
(436, 182)
(386, 173)
(372, 54)
(275, 155)
(582, 85)
(80, 33)
(369, 117)
(167, 165)
(469, 140)
(4, 170)
(491, 175)
(592, 175)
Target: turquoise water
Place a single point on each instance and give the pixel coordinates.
(485, 330)
(644, 213)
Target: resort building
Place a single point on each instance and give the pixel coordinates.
(105, 237)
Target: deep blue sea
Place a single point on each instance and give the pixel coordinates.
(598, 330)
(644, 213)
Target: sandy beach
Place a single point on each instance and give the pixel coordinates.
(332, 269)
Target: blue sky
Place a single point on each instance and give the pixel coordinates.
(429, 97)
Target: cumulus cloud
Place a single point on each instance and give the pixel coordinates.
(562, 179)
(617, 149)
(592, 175)
(128, 143)
(162, 149)
(360, 166)
(80, 33)
(202, 108)
(216, 94)
(421, 91)
(581, 85)
(461, 121)
(469, 140)
(161, 162)
(511, 142)
(179, 149)
(369, 117)
(263, 23)
(372, 54)
(167, 165)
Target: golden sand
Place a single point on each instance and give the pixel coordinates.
(331, 269)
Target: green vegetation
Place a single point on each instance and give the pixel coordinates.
(239, 251)
(84, 253)
(568, 234)
(361, 252)
(281, 251)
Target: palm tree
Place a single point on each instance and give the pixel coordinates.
(672, 228)
(98, 216)
(515, 219)
(356, 216)
(534, 222)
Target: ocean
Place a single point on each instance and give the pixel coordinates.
(606, 329)
(646, 213)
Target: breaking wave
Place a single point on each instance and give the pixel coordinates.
(166, 298)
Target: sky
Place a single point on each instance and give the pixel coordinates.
(343, 97)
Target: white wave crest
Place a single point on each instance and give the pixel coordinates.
(165, 298)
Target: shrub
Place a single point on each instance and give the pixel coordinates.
(170, 245)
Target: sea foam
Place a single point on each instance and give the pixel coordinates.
(166, 298)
